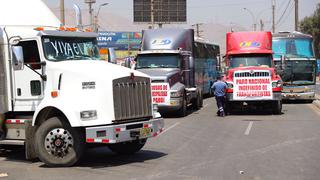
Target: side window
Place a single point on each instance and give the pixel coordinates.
(31, 53)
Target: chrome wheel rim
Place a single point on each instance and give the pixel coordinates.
(58, 142)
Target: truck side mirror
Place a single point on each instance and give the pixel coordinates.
(225, 69)
(17, 57)
(191, 62)
(282, 65)
(127, 62)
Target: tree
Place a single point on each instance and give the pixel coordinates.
(311, 25)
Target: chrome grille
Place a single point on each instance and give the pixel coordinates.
(252, 74)
(132, 98)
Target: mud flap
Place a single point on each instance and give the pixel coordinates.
(29, 142)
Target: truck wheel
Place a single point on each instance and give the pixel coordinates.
(183, 110)
(277, 107)
(201, 100)
(58, 144)
(197, 103)
(127, 148)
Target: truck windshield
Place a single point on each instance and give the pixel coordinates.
(301, 72)
(250, 60)
(70, 48)
(292, 47)
(158, 61)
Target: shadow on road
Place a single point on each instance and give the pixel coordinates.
(253, 112)
(101, 157)
(169, 115)
(13, 153)
(98, 157)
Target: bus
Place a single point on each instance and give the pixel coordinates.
(295, 61)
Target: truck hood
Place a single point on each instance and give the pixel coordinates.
(93, 68)
(161, 73)
(85, 85)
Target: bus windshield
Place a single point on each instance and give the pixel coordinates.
(301, 72)
(250, 60)
(158, 61)
(292, 47)
(70, 48)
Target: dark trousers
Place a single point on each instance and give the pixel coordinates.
(220, 103)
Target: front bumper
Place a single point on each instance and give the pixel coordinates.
(175, 104)
(124, 132)
(276, 97)
(298, 96)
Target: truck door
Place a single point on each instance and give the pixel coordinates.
(27, 86)
(186, 71)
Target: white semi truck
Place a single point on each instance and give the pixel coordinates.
(56, 95)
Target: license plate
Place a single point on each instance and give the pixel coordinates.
(145, 132)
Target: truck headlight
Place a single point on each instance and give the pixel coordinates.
(276, 84)
(88, 115)
(230, 85)
(155, 107)
(175, 94)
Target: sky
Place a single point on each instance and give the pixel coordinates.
(226, 12)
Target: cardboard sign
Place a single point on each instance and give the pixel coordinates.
(252, 88)
(160, 93)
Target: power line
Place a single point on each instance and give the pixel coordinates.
(229, 4)
(283, 13)
(288, 14)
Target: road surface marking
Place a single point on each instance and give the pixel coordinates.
(248, 128)
(177, 123)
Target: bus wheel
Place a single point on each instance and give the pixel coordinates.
(58, 144)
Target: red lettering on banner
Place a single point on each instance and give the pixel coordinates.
(159, 93)
(158, 100)
(165, 87)
(156, 88)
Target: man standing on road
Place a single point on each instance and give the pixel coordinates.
(219, 89)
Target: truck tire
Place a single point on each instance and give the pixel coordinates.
(277, 107)
(227, 108)
(58, 144)
(128, 148)
(198, 102)
(182, 112)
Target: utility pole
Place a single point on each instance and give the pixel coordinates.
(261, 25)
(90, 2)
(296, 15)
(62, 17)
(198, 31)
(152, 14)
(273, 16)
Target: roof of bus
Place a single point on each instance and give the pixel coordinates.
(293, 34)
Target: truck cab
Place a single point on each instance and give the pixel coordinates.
(57, 95)
(251, 78)
(182, 68)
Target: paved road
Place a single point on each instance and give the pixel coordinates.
(244, 146)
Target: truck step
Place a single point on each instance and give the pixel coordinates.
(12, 142)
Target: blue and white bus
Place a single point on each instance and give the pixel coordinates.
(295, 61)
